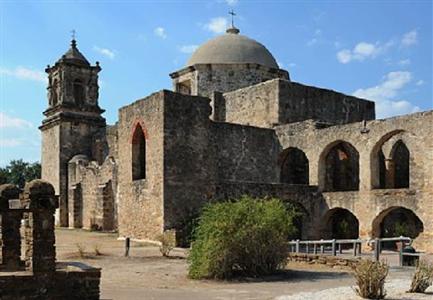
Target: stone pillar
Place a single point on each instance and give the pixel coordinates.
(75, 206)
(39, 199)
(10, 228)
(390, 173)
(108, 207)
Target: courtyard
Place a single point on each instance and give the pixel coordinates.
(145, 274)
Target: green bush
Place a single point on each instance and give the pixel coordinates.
(246, 237)
(370, 279)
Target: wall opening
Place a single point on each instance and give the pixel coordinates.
(78, 91)
(294, 167)
(340, 223)
(301, 218)
(184, 87)
(54, 97)
(394, 168)
(341, 168)
(395, 222)
(138, 154)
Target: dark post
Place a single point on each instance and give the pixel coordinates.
(355, 246)
(315, 248)
(334, 248)
(322, 247)
(297, 246)
(127, 246)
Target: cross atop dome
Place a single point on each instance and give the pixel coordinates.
(232, 29)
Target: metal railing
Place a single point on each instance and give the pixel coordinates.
(334, 247)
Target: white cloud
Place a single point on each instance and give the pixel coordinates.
(104, 51)
(232, 2)
(188, 48)
(217, 25)
(384, 95)
(25, 74)
(160, 32)
(7, 121)
(312, 42)
(10, 142)
(404, 62)
(410, 38)
(362, 51)
(419, 82)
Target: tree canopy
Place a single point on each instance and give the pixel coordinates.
(19, 172)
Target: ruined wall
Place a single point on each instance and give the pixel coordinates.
(280, 101)
(208, 78)
(255, 105)
(368, 203)
(140, 209)
(245, 153)
(298, 102)
(189, 157)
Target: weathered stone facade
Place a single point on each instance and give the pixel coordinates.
(241, 127)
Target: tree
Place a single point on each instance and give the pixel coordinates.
(19, 172)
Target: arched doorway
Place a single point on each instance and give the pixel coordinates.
(340, 168)
(294, 166)
(394, 167)
(397, 221)
(340, 223)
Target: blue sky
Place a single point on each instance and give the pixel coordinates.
(380, 50)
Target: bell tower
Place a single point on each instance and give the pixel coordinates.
(72, 119)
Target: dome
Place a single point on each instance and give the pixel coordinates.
(233, 48)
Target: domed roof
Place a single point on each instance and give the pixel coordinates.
(73, 55)
(232, 48)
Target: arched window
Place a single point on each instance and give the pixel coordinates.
(138, 154)
(294, 167)
(78, 89)
(341, 168)
(400, 156)
(394, 169)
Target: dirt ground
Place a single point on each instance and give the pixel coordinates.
(147, 275)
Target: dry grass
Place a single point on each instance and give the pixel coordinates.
(168, 242)
(97, 250)
(370, 279)
(423, 277)
(81, 250)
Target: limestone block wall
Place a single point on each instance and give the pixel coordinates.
(279, 101)
(140, 206)
(245, 153)
(189, 159)
(255, 105)
(298, 102)
(205, 79)
(369, 201)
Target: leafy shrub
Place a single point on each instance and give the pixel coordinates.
(168, 242)
(370, 279)
(246, 237)
(423, 277)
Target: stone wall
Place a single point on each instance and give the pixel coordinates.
(245, 153)
(205, 79)
(280, 101)
(140, 207)
(370, 203)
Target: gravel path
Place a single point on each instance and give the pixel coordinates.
(396, 290)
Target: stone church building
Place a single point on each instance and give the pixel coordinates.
(234, 124)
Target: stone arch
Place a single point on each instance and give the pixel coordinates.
(339, 167)
(339, 223)
(138, 158)
(396, 221)
(78, 92)
(390, 162)
(294, 166)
